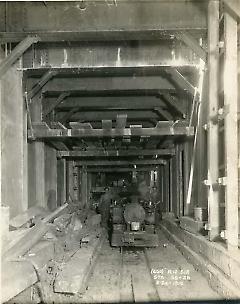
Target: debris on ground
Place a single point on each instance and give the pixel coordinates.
(52, 249)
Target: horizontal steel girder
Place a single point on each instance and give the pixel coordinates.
(41, 131)
(121, 162)
(109, 153)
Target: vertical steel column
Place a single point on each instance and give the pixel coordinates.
(231, 136)
(166, 167)
(171, 185)
(180, 172)
(186, 176)
(213, 146)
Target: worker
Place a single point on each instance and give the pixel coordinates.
(104, 207)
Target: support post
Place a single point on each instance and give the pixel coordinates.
(212, 144)
(231, 137)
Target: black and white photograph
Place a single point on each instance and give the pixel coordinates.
(120, 151)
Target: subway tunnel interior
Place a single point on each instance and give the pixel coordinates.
(119, 139)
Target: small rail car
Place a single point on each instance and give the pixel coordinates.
(133, 223)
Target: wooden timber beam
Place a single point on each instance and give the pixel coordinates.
(193, 44)
(40, 84)
(16, 53)
(109, 153)
(233, 7)
(180, 80)
(121, 162)
(163, 128)
(56, 103)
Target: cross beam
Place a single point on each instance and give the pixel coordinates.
(119, 169)
(109, 153)
(39, 85)
(16, 53)
(180, 80)
(174, 104)
(193, 44)
(121, 162)
(163, 128)
(233, 7)
(56, 103)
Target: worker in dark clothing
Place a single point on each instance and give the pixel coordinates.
(104, 207)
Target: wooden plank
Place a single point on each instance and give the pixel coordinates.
(16, 53)
(74, 276)
(32, 236)
(16, 277)
(24, 217)
(231, 130)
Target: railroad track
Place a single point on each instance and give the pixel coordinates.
(136, 281)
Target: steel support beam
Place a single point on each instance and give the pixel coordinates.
(164, 128)
(233, 7)
(57, 102)
(180, 80)
(40, 84)
(165, 114)
(190, 41)
(118, 153)
(117, 83)
(174, 104)
(231, 129)
(16, 53)
(121, 162)
(119, 169)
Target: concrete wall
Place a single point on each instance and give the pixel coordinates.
(14, 142)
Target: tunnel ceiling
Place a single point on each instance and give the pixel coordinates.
(120, 75)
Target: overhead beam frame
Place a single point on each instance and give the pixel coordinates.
(118, 153)
(16, 53)
(163, 128)
(121, 162)
(190, 41)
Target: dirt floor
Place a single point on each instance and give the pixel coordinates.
(156, 274)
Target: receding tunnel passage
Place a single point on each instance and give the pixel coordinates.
(119, 151)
